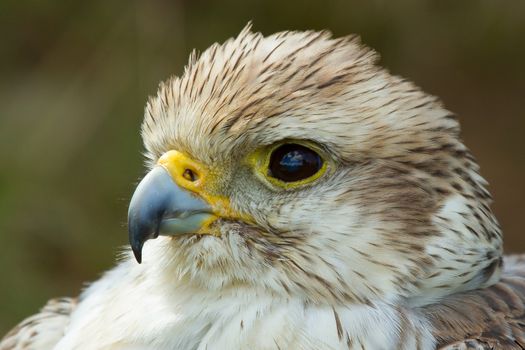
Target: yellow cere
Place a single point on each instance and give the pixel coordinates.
(260, 161)
(196, 178)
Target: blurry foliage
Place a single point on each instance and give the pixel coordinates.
(75, 76)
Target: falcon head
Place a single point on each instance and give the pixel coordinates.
(295, 165)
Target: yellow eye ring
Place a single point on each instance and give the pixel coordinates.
(289, 164)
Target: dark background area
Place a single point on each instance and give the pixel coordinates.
(75, 75)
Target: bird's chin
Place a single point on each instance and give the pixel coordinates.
(212, 260)
(221, 230)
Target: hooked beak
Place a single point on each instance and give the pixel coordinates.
(160, 207)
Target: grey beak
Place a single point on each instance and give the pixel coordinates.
(160, 206)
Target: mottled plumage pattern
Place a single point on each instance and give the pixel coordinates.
(43, 330)
(492, 318)
(394, 247)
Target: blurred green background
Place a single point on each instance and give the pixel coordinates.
(74, 77)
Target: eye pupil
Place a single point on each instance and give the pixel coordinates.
(292, 162)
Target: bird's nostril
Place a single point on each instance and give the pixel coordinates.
(189, 175)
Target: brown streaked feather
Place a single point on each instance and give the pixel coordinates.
(490, 318)
(41, 331)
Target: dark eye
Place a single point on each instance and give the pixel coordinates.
(292, 162)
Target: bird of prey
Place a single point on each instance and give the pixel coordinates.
(298, 196)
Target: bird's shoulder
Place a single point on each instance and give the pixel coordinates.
(43, 330)
(489, 318)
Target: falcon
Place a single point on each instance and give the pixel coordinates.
(298, 196)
